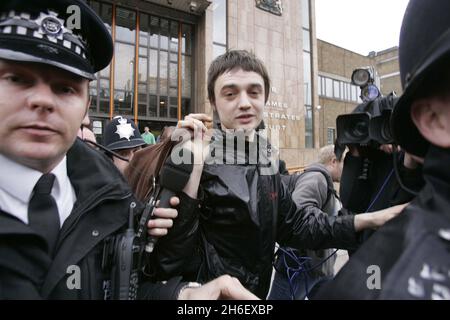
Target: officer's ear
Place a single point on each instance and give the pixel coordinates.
(431, 117)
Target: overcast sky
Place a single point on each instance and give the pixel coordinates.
(360, 25)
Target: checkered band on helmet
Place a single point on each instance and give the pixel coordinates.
(45, 26)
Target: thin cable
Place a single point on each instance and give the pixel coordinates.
(381, 190)
(300, 269)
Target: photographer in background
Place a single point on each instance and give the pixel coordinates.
(369, 181)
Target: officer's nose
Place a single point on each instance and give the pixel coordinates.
(41, 97)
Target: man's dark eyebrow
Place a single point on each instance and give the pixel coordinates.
(256, 85)
(234, 86)
(229, 86)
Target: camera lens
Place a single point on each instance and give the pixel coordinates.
(353, 128)
(359, 129)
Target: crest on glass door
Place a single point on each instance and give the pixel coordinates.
(272, 6)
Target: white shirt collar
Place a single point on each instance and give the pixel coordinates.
(19, 180)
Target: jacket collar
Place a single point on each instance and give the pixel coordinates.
(435, 196)
(89, 170)
(436, 168)
(235, 148)
(94, 178)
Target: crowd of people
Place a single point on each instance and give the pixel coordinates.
(239, 217)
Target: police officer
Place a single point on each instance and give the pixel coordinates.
(410, 257)
(122, 136)
(60, 199)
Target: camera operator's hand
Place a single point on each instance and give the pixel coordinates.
(353, 150)
(388, 148)
(160, 226)
(221, 288)
(411, 161)
(374, 220)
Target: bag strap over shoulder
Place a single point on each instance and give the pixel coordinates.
(330, 187)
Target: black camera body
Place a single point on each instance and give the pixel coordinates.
(369, 123)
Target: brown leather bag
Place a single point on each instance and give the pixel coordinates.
(143, 170)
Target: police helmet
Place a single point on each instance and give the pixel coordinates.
(66, 34)
(122, 133)
(424, 45)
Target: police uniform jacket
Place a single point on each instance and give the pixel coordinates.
(100, 211)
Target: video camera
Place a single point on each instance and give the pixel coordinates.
(368, 123)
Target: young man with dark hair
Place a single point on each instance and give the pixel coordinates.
(244, 208)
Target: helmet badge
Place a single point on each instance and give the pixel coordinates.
(51, 25)
(124, 129)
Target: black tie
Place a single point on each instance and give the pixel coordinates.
(43, 214)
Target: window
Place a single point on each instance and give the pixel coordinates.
(219, 27)
(150, 75)
(336, 91)
(306, 41)
(220, 23)
(307, 76)
(347, 91)
(158, 84)
(329, 87)
(309, 140)
(305, 14)
(355, 93)
(331, 135)
(320, 86)
(100, 90)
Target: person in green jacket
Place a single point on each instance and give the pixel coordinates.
(148, 137)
